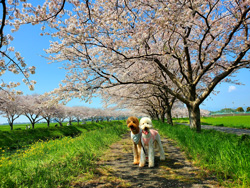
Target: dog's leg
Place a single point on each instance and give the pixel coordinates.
(162, 153)
(151, 154)
(139, 149)
(136, 154)
(142, 159)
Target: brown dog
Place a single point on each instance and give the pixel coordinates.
(136, 132)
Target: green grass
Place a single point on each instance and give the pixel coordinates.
(16, 139)
(23, 126)
(225, 155)
(242, 122)
(180, 120)
(37, 125)
(228, 121)
(55, 163)
(11, 140)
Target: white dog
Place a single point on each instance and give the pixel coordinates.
(150, 137)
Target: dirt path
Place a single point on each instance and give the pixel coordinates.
(115, 169)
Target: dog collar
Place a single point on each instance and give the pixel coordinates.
(136, 137)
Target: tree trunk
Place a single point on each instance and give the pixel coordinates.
(60, 123)
(11, 126)
(194, 117)
(162, 117)
(169, 117)
(33, 125)
(48, 122)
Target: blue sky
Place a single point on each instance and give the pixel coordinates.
(230, 96)
(31, 46)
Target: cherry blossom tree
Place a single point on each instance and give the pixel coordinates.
(48, 113)
(60, 114)
(70, 114)
(194, 45)
(32, 108)
(85, 113)
(78, 112)
(145, 98)
(109, 113)
(10, 107)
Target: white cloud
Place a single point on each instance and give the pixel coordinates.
(231, 88)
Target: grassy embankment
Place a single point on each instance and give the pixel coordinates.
(225, 155)
(50, 162)
(19, 137)
(23, 126)
(242, 122)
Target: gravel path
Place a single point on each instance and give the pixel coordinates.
(115, 169)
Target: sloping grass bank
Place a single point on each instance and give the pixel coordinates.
(55, 163)
(19, 138)
(225, 155)
(16, 139)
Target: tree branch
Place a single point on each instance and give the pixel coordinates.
(3, 22)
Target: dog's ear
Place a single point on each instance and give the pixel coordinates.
(131, 118)
(136, 121)
(128, 120)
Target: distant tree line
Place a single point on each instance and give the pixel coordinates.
(231, 110)
(37, 108)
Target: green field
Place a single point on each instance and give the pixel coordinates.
(23, 126)
(55, 160)
(226, 121)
